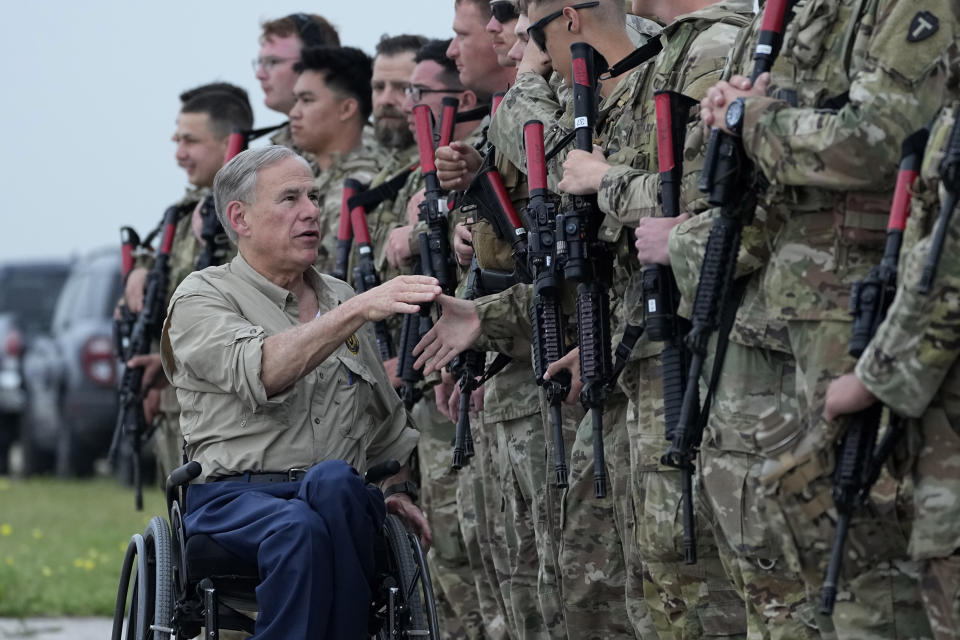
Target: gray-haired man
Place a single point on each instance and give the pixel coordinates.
(282, 393)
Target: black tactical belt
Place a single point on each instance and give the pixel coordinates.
(293, 475)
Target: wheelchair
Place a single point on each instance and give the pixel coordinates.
(172, 585)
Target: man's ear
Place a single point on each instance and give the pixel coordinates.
(237, 217)
(468, 100)
(573, 20)
(348, 108)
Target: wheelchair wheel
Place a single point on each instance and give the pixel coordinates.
(158, 567)
(137, 610)
(415, 586)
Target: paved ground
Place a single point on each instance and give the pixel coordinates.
(56, 629)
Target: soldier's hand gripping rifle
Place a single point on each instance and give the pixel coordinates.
(130, 418)
(858, 465)
(588, 261)
(727, 179)
(546, 315)
(123, 318)
(660, 294)
(949, 171)
(365, 273)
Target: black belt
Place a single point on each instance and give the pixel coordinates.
(293, 475)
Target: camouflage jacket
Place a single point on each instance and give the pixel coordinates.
(853, 79)
(913, 357)
(358, 164)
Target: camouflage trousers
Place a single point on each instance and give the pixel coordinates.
(529, 522)
(935, 537)
(753, 381)
(879, 595)
(602, 592)
(480, 509)
(458, 607)
(685, 601)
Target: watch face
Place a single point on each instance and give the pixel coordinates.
(734, 115)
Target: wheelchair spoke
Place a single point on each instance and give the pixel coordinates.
(413, 583)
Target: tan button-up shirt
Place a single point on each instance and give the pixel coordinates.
(212, 346)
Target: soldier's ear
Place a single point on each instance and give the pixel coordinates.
(348, 108)
(237, 218)
(468, 100)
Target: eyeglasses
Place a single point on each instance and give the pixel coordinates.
(269, 63)
(504, 12)
(536, 29)
(415, 93)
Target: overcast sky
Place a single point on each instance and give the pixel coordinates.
(90, 97)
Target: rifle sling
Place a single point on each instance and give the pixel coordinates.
(388, 190)
(498, 364)
(728, 315)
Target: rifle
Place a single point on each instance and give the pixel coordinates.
(130, 418)
(432, 208)
(949, 171)
(124, 318)
(546, 316)
(660, 294)
(365, 273)
(727, 179)
(345, 232)
(468, 367)
(857, 467)
(588, 261)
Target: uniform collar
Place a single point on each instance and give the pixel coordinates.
(275, 293)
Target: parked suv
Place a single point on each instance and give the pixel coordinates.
(71, 377)
(28, 293)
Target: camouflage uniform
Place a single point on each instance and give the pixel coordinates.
(860, 80)
(911, 365)
(359, 164)
(186, 248)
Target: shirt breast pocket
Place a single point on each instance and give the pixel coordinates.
(808, 34)
(346, 405)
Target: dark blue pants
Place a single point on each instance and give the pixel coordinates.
(312, 541)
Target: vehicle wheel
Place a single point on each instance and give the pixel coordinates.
(8, 433)
(158, 563)
(35, 460)
(410, 570)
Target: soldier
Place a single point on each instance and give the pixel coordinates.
(281, 41)
(332, 105)
(392, 66)
(911, 367)
(207, 116)
(824, 129)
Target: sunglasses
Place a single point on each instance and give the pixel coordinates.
(536, 29)
(504, 12)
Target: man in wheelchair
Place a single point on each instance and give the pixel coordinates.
(285, 400)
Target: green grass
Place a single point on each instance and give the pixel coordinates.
(62, 544)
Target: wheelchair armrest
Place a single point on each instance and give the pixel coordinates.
(379, 472)
(181, 476)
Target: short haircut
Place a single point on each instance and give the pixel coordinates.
(613, 11)
(313, 30)
(436, 51)
(395, 45)
(227, 106)
(483, 6)
(237, 180)
(346, 70)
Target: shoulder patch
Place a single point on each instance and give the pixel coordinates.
(923, 25)
(353, 344)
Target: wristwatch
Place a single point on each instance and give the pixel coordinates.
(406, 487)
(734, 117)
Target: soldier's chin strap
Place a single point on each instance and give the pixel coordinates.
(650, 50)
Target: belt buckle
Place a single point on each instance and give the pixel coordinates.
(296, 474)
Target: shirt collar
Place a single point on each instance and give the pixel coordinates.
(275, 293)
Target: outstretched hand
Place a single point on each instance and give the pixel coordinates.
(402, 294)
(457, 329)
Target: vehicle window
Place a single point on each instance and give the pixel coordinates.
(32, 296)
